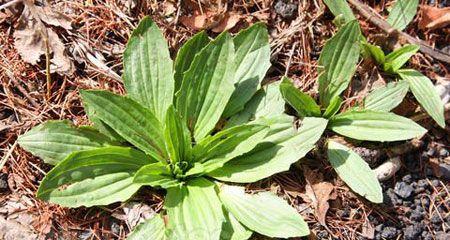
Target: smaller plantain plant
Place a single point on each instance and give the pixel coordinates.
(165, 134)
(339, 59)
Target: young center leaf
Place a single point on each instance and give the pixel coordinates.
(425, 93)
(279, 150)
(155, 175)
(152, 228)
(375, 52)
(186, 55)
(129, 119)
(54, 140)
(148, 69)
(264, 213)
(194, 211)
(402, 13)
(333, 107)
(396, 59)
(93, 177)
(339, 59)
(354, 171)
(252, 60)
(207, 86)
(375, 126)
(386, 98)
(177, 136)
(301, 102)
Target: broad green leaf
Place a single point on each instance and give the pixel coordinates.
(186, 55)
(129, 119)
(279, 150)
(267, 102)
(333, 107)
(402, 13)
(93, 177)
(340, 7)
(155, 175)
(153, 229)
(301, 102)
(264, 213)
(375, 52)
(233, 229)
(194, 211)
(178, 137)
(375, 126)
(207, 86)
(214, 151)
(425, 93)
(355, 172)
(386, 98)
(101, 126)
(55, 140)
(396, 59)
(148, 69)
(338, 59)
(252, 60)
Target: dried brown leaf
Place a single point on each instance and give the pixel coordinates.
(433, 17)
(229, 21)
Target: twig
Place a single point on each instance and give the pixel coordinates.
(9, 4)
(7, 155)
(378, 21)
(288, 65)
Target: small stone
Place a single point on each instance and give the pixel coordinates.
(435, 219)
(286, 9)
(413, 231)
(445, 170)
(442, 236)
(422, 183)
(4, 182)
(389, 232)
(416, 215)
(407, 178)
(403, 190)
(115, 228)
(443, 152)
(390, 198)
(379, 228)
(343, 213)
(435, 183)
(431, 152)
(85, 235)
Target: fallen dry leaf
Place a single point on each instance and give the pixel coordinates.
(53, 18)
(433, 17)
(226, 23)
(318, 192)
(368, 231)
(196, 22)
(30, 40)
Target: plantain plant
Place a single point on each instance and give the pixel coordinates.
(191, 127)
(338, 62)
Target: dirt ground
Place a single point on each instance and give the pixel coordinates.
(85, 40)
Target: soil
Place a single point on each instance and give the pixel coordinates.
(416, 199)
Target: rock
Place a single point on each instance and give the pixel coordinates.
(85, 235)
(435, 219)
(413, 231)
(286, 9)
(11, 230)
(389, 233)
(443, 152)
(442, 236)
(403, 190)
(115, 228)
(416, 215)
(390, 198)
(386, 170)
(435, 183)
(444, 168)
(407, 178)
(4, 182)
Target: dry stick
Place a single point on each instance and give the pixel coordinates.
(378, 21)
(9, 4)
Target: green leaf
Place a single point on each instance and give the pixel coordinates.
(264, 213)
(128, 118)
(333, 107)
(396, 59)
(54, 140)
(266, 103)
(194, 210)
(339, 58)
(426, 94)
(186, 55)
(355, 172)
(214, 151)
(280, 149)
(233, 229)
(386, 98)
(207, 86)
(148, 69)
(252, 60)
(155, 175)
(93, 177)
(178, 137)
(153, 229)
(375, 52)
(375, 126)
(301, 102)
(340, 7)
(101, 126)
(402, 13)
